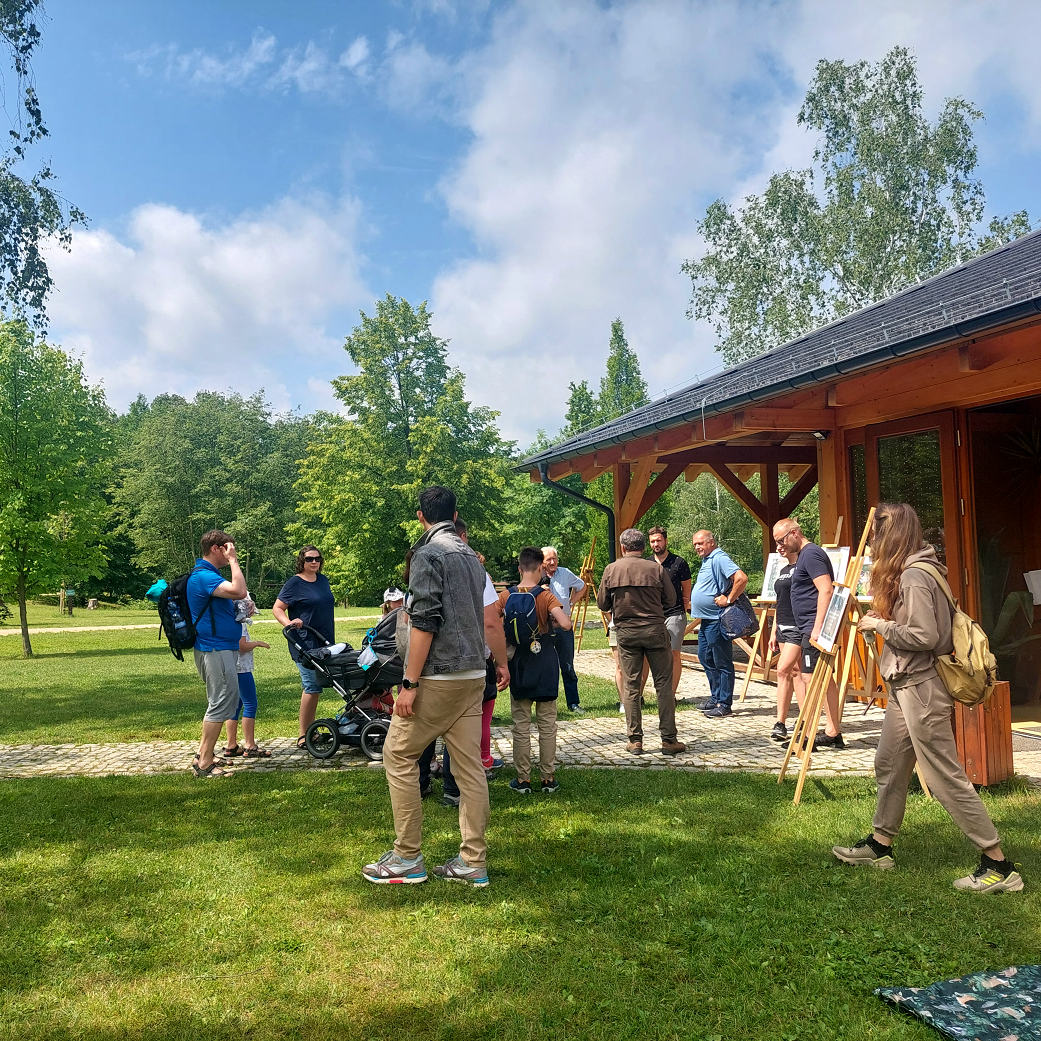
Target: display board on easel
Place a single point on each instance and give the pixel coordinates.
(842, 615)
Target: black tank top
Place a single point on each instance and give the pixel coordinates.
(783, 589)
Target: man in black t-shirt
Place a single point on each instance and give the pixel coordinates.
(678, 571)
(812, 580)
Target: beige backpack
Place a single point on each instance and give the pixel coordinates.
(971, 671)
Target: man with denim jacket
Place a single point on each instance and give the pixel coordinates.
(441, 695)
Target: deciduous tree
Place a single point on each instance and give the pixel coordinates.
(408, 426)
(54, 444)
(891, 199)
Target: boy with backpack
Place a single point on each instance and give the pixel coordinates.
(534, 669)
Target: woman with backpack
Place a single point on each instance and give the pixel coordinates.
(912, 614)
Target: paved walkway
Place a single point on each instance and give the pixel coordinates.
(737, 743)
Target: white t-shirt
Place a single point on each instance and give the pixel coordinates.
(490, 597)
(245, 662)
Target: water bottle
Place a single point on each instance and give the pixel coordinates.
(175, 615)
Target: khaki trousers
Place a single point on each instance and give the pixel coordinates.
(649, 640)
(449, 709)
(917, 727)
(546, 721)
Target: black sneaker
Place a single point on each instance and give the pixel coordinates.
(520, 787)
(719, 712)
(550, 786)
(824, 743)
(779, 732)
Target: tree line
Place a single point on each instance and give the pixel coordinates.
(109, 502)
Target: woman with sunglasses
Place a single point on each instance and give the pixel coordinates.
(307, 599)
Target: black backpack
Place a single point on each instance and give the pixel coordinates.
(176, 619)
(519, 618)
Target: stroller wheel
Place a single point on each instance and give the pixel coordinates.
(322, 738)
(373, 734)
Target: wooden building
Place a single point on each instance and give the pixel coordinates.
(931, 397)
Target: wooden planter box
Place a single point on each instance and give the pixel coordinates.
(984, 735)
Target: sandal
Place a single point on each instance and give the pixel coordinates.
(301, 742)
(232, 753)
(213, 770)
(217, 759)
(256, 752)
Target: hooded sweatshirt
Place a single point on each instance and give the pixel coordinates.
(921, 625)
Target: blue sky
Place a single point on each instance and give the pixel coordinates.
(533, 169)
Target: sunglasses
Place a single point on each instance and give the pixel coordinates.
(313, 560)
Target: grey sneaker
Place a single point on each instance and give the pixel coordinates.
(449, 800)
(867, 852)
(779, 732)
(991, 876)
(391, 869)
(457, 870)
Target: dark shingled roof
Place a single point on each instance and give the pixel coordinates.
(984, 293)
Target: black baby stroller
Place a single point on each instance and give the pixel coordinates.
(364, 720)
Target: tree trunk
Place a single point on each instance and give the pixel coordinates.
(27, 647)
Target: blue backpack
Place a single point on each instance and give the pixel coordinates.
(519, 617)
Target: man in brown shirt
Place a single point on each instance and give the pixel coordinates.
(636, 593)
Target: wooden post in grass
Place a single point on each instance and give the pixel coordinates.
(805, 729)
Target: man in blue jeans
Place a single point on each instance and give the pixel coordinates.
(720, 582)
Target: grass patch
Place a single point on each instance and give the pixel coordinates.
(125, 685)
(631, 905)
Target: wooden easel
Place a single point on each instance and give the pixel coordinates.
(760, 647)
(581, 605)
(805, 729)
(827, 668)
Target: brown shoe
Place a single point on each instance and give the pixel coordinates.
(672, 747)
(636, 747)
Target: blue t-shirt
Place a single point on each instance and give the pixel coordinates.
(314, 605)
(219, 631)
(711, 582)
(561, 583)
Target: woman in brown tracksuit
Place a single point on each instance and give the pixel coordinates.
(911, 613)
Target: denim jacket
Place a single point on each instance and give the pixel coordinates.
(446, 598)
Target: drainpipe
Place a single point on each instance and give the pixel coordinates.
(544, 472)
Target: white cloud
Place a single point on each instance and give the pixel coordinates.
(356, 55)
(202, 68)
(600, 132)
(597, 135)
(178, 304)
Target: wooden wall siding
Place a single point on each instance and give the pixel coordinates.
(1006, 365)
(984, 736)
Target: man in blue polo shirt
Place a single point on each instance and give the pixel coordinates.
(720, 582)
(217, 636)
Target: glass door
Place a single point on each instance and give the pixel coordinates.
(915, 461)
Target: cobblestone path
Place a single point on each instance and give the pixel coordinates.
(739, 742)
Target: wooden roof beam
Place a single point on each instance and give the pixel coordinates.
(740, 491)
(802, 487)
(739, 454)
(793, 419)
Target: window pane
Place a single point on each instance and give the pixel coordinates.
(909, 471)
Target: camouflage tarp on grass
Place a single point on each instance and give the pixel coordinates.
(986, 1006)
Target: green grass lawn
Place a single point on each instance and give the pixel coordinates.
(630, 905)
(126, 686)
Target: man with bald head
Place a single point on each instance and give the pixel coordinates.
(812, 579)
(720, 582)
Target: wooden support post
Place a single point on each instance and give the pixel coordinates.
(621, 478)
(770, 494)
(828, 472)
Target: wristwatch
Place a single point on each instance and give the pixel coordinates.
(409, 685)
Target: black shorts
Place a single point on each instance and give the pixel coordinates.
(788, 634)
(809, 656)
